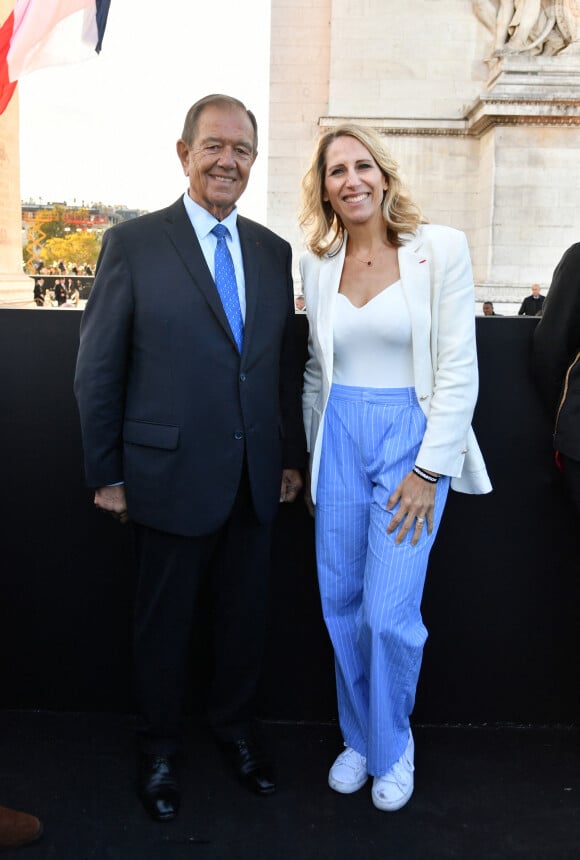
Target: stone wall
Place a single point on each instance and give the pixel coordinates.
(299, 77)
(489, 144)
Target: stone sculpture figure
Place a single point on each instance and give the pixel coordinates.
(531, 26)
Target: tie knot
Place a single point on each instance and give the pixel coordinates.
(220, 231)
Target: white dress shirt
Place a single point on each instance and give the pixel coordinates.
(203, 223)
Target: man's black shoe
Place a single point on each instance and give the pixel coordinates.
(250, 764)
(158, 786)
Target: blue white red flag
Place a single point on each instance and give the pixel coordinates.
(41, 33)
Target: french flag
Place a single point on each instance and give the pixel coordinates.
(41, 33)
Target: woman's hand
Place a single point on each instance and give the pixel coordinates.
(416, 499)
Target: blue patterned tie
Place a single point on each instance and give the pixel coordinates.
(225, 281)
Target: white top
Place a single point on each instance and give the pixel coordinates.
(372, 344)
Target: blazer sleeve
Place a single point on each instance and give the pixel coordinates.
(102, 364)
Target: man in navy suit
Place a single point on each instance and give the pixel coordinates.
(194, 437)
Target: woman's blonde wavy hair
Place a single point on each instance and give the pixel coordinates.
(323, 229)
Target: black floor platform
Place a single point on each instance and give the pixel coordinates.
(488, 793)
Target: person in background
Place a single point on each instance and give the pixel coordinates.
(73, 295)
(39, 292)
(556, 362)
(300, 304)
(488, 310)
(60, 294)
(532, 305)
(389, 391)
(48, 297)
(189, 397)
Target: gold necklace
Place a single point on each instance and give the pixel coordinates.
(364, 262)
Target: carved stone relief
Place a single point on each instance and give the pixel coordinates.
(546, 27)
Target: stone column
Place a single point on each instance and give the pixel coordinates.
(15, 287)
(528, 121)
(299, 77)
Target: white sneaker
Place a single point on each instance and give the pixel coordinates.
(392, 790)
(349, 772)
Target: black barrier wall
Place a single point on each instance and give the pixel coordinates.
(502, 599)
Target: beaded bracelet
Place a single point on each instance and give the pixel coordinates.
(431, 479)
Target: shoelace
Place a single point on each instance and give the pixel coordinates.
(350, 758)
(399, 773)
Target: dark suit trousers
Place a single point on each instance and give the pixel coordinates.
(236, 561)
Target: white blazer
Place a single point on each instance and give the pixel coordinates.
(437, 283)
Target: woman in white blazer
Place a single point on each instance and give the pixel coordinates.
(389, 392)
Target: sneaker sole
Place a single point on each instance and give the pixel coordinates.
(346, 787)
(391, 805)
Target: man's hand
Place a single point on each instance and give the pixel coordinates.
(291, 485)
(308, 494)
(113, 501)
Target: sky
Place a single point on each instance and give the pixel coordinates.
(105, 130)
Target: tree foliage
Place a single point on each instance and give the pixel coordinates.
(50, 223)
(78, 248)
(55, 235)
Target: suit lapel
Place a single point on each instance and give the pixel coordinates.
(328, 284)
(252, 257)
(415, 269)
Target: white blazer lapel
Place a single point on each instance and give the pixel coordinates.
(329, 282)
(415, 269)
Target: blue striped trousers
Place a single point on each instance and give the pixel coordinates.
(371, 588)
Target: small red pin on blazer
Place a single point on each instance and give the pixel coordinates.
(422, 261)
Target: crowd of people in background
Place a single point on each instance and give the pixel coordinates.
(59, 285)
(57, 293)
(61, 268)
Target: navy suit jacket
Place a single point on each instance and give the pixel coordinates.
(167, 403)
